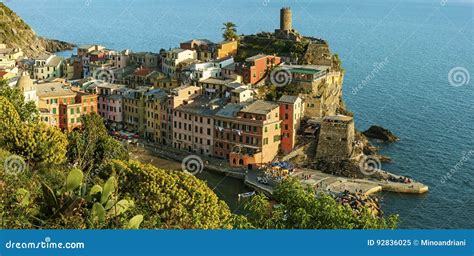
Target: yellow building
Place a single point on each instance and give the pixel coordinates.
(153, 110)
(134, 110)
(226, 48)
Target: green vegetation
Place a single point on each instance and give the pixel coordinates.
(230, 31)
(266, 43)
(14, 32)
(35, 142)
(26, 110)
(171, 199)
(298, 208)
(91, 146)
(337, 63)
(273, 93)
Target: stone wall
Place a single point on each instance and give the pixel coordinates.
(336, 138)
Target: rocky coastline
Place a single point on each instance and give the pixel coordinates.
(15, 33)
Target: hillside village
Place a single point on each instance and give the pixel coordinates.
(195, 97)
(267, 101)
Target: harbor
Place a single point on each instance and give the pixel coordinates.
(317, 180)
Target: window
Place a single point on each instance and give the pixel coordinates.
(72, 112)
(54, 110)
(72, 120)
(266, 130)
(276, 138)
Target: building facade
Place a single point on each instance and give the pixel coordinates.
(291, 113)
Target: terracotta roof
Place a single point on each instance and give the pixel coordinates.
(142, 72)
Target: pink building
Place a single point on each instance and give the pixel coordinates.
(109, 103)
(114, 110)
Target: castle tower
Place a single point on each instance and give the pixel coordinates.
(285, 19)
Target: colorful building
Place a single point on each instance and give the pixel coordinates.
(291, 113)
(173, 58)
(63, 107)
(193, 125)
(247, 134)
(226, 48)
(155, 99)
(48, 66)
(256, 67)
(134, 109)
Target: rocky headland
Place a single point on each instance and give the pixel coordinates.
(15, 33)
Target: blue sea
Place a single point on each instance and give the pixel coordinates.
(409, 68)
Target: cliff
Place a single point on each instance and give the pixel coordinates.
(15, 33)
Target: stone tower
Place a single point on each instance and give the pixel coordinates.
(286, 30)
(336, 138)
(285, 19)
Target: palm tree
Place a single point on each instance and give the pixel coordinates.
(230, 31)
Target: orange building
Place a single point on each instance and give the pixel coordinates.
(63, 107)
(291, 112)
(247, 134)
(256, 67)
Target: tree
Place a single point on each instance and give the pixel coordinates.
(230, 31)
(9, 119)
(26, 110)
(299, 208)
(171, 199)
(39, 144)
(91, 145)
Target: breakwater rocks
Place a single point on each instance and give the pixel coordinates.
(358, 202)
(380, 133)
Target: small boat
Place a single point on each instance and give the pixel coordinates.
(247, 194)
